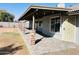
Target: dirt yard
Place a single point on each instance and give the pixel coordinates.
(11, 42)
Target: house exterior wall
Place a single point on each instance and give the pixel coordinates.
(46, 27)
(77, 29)
(45, 24)
(69, 29)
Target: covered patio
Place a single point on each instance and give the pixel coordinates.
(34, 13)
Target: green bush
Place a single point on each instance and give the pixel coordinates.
(6, 17)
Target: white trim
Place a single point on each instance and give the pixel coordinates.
(61, 27)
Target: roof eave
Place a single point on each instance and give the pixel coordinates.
(44, 7)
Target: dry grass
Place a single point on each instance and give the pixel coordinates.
(13, 37)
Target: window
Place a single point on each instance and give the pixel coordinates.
(39, 22)
(55, 24)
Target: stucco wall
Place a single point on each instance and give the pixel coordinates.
(46, 27)
(45, 24)
(69, 28)
(77, 29)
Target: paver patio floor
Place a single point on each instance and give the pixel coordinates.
(52, 46)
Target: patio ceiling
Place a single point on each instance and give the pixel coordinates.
(41, 11)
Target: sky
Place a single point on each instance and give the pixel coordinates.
(17, 9)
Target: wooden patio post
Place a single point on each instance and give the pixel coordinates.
(24, 26)
(33, 23)
(32, 34)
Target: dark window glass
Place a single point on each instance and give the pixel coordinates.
(55, 24)
(40, 22)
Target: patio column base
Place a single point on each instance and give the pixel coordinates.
(32, 37)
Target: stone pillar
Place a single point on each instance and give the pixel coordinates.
(32, 38)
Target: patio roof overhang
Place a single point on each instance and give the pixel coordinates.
(41, 11)
(75, 12)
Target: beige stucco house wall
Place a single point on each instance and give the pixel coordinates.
(77, 29)
(69, 29)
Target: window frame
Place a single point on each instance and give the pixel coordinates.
(39, 22)
(55, 21)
